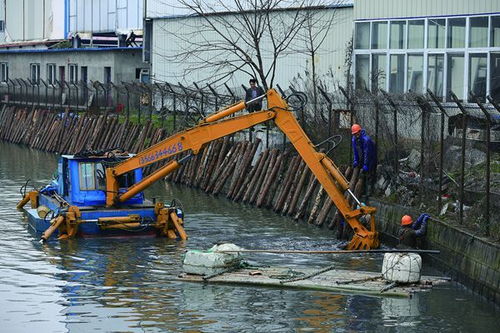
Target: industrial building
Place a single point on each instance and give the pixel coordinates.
(71, 40)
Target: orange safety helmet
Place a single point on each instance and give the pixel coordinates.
(355, 129)
(406, 220)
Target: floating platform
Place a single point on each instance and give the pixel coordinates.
(336, 280)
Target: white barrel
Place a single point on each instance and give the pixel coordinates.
(402, 267)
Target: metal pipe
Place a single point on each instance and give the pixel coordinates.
(333, 251)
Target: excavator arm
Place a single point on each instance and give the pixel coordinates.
(214, 127)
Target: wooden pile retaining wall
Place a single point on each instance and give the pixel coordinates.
(278, 180)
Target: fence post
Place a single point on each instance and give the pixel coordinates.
(216, 96)
(441, 146)
(330, 106)
(350, 106)
(174, 105)
(426, 110)
(395, 124)
(462, 167)
(488, 156)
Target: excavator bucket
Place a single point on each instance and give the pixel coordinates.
(367, 242)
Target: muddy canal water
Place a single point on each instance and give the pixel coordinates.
(128, 285)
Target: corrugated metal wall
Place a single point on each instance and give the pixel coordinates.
(166, 44)
(105, 15)
(33, 20)
(372, 9)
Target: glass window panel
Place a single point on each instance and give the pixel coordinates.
(362, 35)
(397, 34)
(378, 71)
(87, 178)
(456, 33)
(477, 75)
(495, 31)
(415, 73)
(455, 79)
(379, 35)
(416, 34)
(362, 71)
(397, 75)
(436, 33)
(435, 74)
(495, 76)
(478, 32)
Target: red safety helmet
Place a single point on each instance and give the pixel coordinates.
(406, 220)
(355, 129)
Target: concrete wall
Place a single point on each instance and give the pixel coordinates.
(471, 260)
(123, 63)
(174, 36)
(371, 9)
(105, 15)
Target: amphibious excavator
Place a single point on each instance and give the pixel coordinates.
(102, 195)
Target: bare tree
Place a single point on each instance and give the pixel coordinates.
(229, 36)
(316, 27)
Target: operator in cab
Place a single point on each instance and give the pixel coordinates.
(365, 156)
(412, 234)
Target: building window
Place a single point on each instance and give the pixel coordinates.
(379, 65)
(415, 73)
(4, 72)
(478, 65)
(416, 34)
(51, 73)
(435, 74)
(495, 76)
(456, 33)
(362, 35)
(478, 32)
(436, 33)
(455, 79)
(379, 35)
(73, 73)
(459, 54)
(362, 71)
(35, 73)
(2, 25)
(397, 74)
(495, 31)
(398, 34)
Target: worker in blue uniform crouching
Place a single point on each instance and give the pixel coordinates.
(412, 234)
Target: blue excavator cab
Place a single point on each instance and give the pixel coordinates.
(81, 180)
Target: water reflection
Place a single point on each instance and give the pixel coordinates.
(129, 285)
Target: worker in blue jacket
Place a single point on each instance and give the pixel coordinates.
(411, 234)
(365, 156)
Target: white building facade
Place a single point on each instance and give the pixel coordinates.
(168, 28)
(443, 46)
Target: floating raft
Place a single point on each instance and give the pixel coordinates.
(344, 281)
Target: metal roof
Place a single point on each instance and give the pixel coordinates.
(87, 49)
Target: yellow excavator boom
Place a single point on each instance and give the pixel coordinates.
(219, 125)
